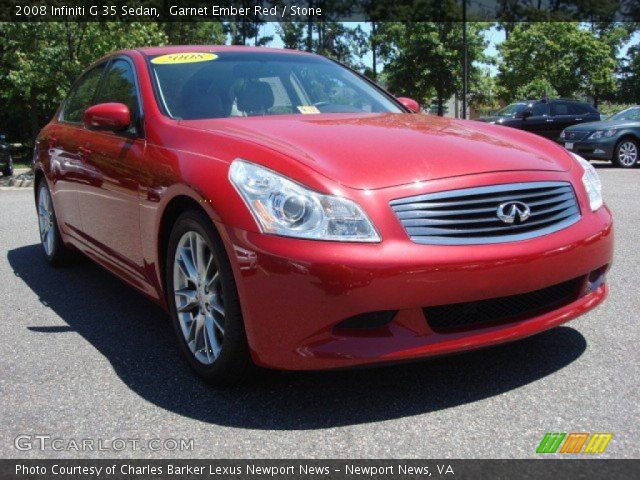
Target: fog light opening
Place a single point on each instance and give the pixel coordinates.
(596, 278)
(367, 321)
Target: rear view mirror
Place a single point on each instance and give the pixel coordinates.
(107, 116)
(410, 103)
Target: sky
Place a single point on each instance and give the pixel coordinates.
(493, 36)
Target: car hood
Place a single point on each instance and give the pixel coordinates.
(603, 125)
(381, 150)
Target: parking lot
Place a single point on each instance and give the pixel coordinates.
(86, 357)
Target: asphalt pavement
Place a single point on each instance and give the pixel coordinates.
(85, 357)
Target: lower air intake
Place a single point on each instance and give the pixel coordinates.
(470, 315)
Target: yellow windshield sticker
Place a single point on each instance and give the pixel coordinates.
(184, 57)
(308, 109)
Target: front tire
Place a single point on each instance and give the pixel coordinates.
(625, 154)
(203, 301)
(56, 253)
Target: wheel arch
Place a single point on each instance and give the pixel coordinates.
(38, 176)
(177, 205)
(628, 134)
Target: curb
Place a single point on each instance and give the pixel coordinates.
(20, 179)
(19, 183)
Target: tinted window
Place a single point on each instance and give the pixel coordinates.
(512, 109)
(246, 84)
(540, 109)
(119, 86)
(577, 109)
(82, 95)
(628, 114)
(560, 108)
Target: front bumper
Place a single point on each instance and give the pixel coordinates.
(601, 149)
(294, 292)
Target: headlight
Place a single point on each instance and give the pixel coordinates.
(602, 134)
(591, 182)
(284, 207)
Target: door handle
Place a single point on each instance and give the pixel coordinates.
(550, 120)
(578, 119)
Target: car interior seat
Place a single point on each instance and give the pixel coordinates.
(254, 97)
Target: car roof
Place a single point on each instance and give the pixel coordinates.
(152, 51)
(551, 100)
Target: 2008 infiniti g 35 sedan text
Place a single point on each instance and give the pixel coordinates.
(290, 214)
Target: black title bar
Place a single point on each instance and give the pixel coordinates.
(320, 10)
(318, 469)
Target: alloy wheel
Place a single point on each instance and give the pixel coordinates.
(45, 220)
(198, 297)
(628, 153)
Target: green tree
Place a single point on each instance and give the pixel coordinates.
(39, 61)
(630, 77)
(342, 41)
(195, 33)
(569, 58)
(484, 93)
(425, 59)
(537, 88)
(292, 34)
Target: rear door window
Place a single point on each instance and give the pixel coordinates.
(560, 108)
(82, 96)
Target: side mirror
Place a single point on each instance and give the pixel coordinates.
(410, 103)
(524, 114)
(107, 116)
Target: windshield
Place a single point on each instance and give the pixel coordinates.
(231, 84)
(632, 113)
(511, 110)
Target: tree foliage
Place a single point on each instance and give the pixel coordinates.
(195, 33)
(565, 56)
(39, 61)
(425, 60)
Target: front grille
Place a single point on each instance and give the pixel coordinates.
(470, 216)
(469, 315)
(575, 136)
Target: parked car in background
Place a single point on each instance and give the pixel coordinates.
(616, 139)
(546, 117)
(6, 161)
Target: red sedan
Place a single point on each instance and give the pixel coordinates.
(290, 214)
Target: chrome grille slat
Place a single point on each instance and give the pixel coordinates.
(475, 201)
(407, 214)
(442, 231)
(469, 216)
(416, 222)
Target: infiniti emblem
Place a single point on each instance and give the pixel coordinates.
(508, 212)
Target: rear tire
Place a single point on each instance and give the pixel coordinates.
(7, 171)
(626, 153)
(203, 301)
(55, 251)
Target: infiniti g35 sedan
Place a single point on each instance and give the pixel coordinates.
(290, 214)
